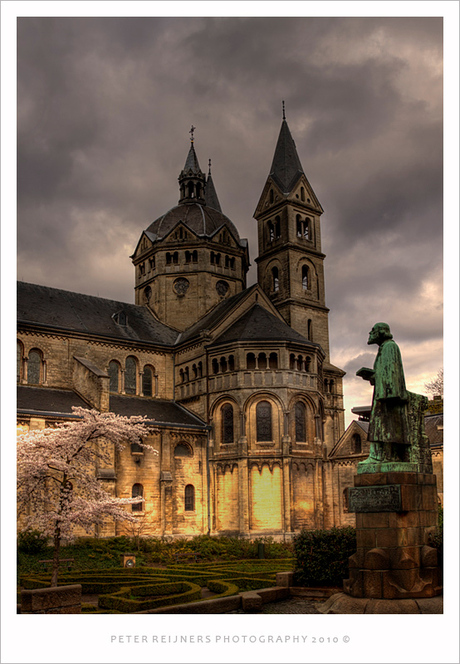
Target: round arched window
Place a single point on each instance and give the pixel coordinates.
(181, 286)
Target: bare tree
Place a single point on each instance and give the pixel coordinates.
(436, 386)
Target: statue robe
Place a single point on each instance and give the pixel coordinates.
(388, 420)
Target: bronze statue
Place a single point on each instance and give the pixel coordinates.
(396, 427)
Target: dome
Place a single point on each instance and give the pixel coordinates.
(201, 219)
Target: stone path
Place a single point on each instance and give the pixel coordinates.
(292, 605)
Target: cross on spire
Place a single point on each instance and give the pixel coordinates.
(284, 112)
(192, 129)
(210, 167)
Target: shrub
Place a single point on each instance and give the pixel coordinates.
(322, 556)
(32, 541)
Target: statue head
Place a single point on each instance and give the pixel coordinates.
(379, 333)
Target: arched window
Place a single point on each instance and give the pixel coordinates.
(231, 363)
(277, 227)
(215, 366)
(264, 421)
(200, 369)
(182, 450)
(181, 374)
(250, 361)
(273, 361)
(299, 363)
(275, 280)
(302, 193)
(307, 363)
(356, 444)
(147, 382)
(189, 498)
(130, 375)
(298, 225)
(271, 196)
(34, 367)
(114, 376)
(310, 330)
(175, 258)
(262, 361)
(188, 256)
(271, 231)
(19, 360)
(300, 428)
(305, 277)
(136, 448)
(186, 374)
(292, 362)
(137, 490)
(223, 364)
(168, 258)
(194, 256)
(227, 423)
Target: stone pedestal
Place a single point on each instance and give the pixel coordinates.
(395, 515)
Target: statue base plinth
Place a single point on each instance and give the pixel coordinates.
(343, 603)
(396, 513)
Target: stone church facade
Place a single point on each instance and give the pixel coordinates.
(246, 403)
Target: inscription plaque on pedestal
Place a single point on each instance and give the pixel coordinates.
(385, 498)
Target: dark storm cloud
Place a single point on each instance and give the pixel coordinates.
(105, 104)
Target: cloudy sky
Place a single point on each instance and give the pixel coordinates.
(104, 110)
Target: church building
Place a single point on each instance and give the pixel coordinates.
(246, 403)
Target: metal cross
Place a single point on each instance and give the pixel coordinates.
(192, 129)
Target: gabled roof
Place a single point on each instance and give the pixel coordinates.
(213, 317)
(286, 167)
(59, 309)
(258, 324)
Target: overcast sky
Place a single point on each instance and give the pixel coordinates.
(104, 110)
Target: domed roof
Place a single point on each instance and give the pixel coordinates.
(201, 219)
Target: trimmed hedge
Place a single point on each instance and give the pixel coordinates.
(322, 556)
(124, 590)
(129, 600)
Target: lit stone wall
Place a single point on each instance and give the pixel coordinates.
(227, 498)
(266, 498)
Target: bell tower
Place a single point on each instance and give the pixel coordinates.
(290, 261)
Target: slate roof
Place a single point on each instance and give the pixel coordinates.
(65, 310)
(161, 410)
(211, 195)
(201, 219)
(218, 313)
(258, 324)
(47, 401)
(191, 163)
(286, 167)
(434, 429)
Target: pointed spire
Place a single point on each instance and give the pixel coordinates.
(211, 194)
(191, 179)
(286, 167)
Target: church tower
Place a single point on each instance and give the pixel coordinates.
(290, 261)
(191, 258)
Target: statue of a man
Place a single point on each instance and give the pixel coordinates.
(388, 425)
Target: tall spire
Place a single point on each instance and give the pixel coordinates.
(211, 194)
(286, 167)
